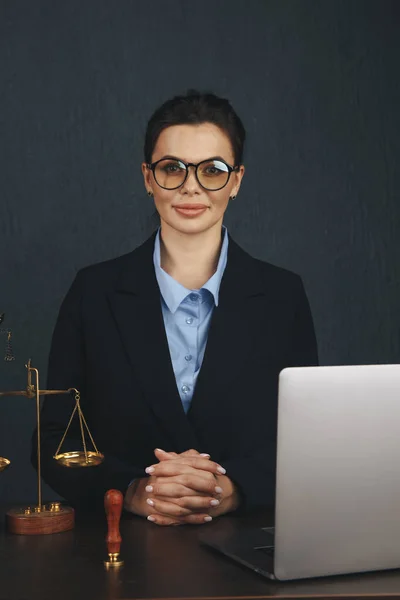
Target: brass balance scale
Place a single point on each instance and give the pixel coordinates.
(52, 517)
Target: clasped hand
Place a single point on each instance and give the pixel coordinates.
(182, 488)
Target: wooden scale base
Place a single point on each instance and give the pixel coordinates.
(50, 518)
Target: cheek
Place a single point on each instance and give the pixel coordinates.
(220, 199)
(162, 200)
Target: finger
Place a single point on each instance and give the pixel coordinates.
(176, 466)
(193, 452)
(168, 509)
(197, 482)
(170, 488)
(196, 503)
(163, 455)
(195, 519)
(162, 520)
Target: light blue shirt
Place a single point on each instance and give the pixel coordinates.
(187, 316)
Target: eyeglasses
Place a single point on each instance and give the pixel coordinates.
(212, 173)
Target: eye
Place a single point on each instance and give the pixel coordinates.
(171, 167)
(212, 170)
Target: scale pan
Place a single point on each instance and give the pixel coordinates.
(4, 463)
(78, 459)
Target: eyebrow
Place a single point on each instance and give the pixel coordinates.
(210, 158)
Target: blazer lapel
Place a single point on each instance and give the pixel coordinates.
(136, 307)
(230, 340)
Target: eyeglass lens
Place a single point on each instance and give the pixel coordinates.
(212, 174)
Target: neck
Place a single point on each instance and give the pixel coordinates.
(191, 259)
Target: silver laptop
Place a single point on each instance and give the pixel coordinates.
(338, 477)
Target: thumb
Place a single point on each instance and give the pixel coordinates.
(161, 455)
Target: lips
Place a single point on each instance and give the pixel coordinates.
(190, 211)
(190, 206)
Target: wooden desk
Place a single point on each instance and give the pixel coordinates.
(159, 563)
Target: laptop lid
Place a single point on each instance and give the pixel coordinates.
(338, 471)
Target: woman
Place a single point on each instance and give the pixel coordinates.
(176, 347)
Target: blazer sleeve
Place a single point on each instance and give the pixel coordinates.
(255, 473)
(81, 487)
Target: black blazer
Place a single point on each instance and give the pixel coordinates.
(110, 343)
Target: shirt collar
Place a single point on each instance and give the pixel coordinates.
(173, 292)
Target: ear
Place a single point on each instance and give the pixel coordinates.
(238, 180)
(147, 177)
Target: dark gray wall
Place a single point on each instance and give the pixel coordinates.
(317, 86)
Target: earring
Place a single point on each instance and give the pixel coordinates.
(149, 193)
(232, 197)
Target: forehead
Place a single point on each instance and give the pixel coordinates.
(193, 143)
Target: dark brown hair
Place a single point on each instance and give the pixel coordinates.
(195, 108)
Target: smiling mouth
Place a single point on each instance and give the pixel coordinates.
(190, 210)
(190, 206)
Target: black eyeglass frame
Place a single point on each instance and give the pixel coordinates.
(152, 167)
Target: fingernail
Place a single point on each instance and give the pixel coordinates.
(160, 450)
(205, 455)
(218, 490)
(149, 470)
(149, 501)
(151, 518)
(214, 502)
(221, 470)
(149, 488)
(207, 519)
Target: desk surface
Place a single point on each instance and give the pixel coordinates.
(159, 563)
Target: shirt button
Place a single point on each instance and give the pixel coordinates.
(185, 389)
(194, 297)
(188, 357)
(189, 320)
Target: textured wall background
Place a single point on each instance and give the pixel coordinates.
(317, 86)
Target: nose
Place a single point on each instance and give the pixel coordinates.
(191, 184)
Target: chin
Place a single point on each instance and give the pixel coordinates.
(191, 226)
